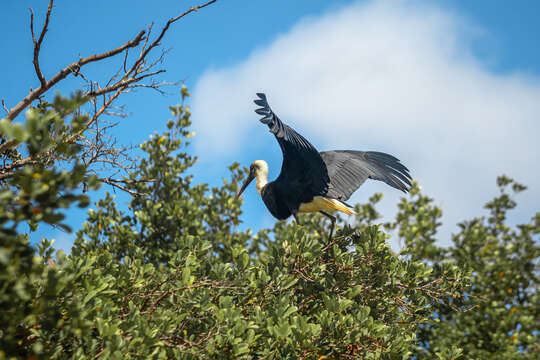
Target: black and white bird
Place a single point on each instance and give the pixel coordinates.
(312, 181)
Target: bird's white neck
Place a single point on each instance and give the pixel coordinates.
(259, 168)
(261, 180)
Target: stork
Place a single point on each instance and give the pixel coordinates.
(312, 181)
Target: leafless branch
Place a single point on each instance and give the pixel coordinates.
(4, 106)
(117, 114)
(104, 107)
(122, 84)
(116, 184)
(155, 86)
(125, 59)
(156, 42)
(75, 66)
(131, 181)
(7, 170)
(37, 44)
(138, 73)
(71, 68)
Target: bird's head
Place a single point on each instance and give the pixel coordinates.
(258, 170)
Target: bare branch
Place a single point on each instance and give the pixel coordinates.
(150, 74)
(46, 24)
(7, 170)
(131, 181)
(119, 83)
(71, 68)
(122, 84)
(118, 186)
(104, 107)
(117, 114)
(125, 59)
(75, 66)
(155, 86)
(37, 44)
(138, 68)
(166, 27)
(4, 106)
(132, 43)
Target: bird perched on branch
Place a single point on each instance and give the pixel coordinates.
(312, 181)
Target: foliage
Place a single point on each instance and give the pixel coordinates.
(171, 276)
(35, 194)
(502, 308)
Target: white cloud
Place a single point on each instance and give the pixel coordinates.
(399, 77)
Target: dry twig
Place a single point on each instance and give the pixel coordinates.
(4, 106)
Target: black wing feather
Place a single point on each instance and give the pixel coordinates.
(303, 172)
(348, 169)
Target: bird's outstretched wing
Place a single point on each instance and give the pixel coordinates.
(303, 168)
(348, 169)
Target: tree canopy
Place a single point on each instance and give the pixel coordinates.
(171, 276)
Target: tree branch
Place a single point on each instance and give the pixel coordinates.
(7, 145)
(71, 68)
(104, 107)
(7, 170)
(4, 106)
(166, 27)
(121, 84)
(37, 44)
(116, 184)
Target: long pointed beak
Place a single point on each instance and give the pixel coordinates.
(248, 180)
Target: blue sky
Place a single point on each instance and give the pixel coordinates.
(450, 87)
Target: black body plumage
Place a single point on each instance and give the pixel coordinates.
(306, 173)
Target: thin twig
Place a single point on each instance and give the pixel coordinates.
(7, 170)
(104, 107)
(131, 181)
(122, 84)
(165, 28)
(123, 188)
(125, 59)
(4, 106)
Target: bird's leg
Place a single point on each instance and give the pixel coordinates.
(333, 222)
(297, 222)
